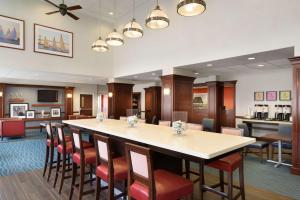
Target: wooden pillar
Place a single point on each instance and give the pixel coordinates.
(152, 103)
(296, 116)
(119, 99)
(177, 95)
(2, 101)
(69, 96)
(215, 103)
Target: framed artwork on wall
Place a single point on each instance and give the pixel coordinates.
(271, 95)
(30, 114)
(12, 33)
(18, 110)
(285, 95)
(55, 112)
(259, 96)
(53, 41)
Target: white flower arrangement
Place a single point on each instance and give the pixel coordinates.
(100, 116)
(178, 126)
(132, 120)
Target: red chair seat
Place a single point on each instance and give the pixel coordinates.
(120, 170)
(168, 187)
(90, 156)
(69, 147)
(228, 163)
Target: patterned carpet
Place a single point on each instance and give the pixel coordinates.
(27, 154)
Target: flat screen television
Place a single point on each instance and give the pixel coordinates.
(47, 96)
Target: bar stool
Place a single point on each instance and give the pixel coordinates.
(144, 183)
(208, 124)
(229, 164)
(81, 157)
(64, 151)
(108, 168)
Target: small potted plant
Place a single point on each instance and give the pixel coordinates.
(178, 126)
(132, 120)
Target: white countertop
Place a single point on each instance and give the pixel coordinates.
(195, 143)
(263, 121)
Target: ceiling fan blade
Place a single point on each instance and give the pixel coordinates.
(77, 7)
(53, 4)
(72, 15)
(50, 13)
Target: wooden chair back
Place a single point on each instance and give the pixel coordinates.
(103, 151)
(140, 165)
(77, 143)
(50, 134)
(61, 134)
(192, 126)
(232, 131)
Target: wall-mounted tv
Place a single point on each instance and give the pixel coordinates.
(47, 96)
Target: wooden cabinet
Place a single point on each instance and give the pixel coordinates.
(152, 103)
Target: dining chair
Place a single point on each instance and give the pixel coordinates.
(192, 126)
(109, 169)
(122, 118)
(180, 116)
(145, 183)
(155, 120)
(81, 157)
(285, 130)
(164, 123)
(208, 124)
(259, 145)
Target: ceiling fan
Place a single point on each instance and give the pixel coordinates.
(64, 9)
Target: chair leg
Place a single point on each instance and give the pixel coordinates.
(187, 169)
(57, 169)
(111, 187)
(98, 187)
(81, 184)
(268, 152)
(272, 153)
(62, 172)
(261, 155)
(241, 177)
(46, 160)
(230, 186)
(74, 176)
(51, 162)
(221, 176)
(91, 174)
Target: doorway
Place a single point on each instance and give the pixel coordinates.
(86, 104)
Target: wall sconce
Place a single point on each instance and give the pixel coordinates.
(167, 91)
(110, 94)
(69, 95)
(1, 94)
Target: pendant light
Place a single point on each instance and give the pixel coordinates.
(114, 38)
(190, 8)
(133, 29)
(157, 19)
(100, 45)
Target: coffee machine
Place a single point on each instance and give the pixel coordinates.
(287, 111)
(278, 112)
(265, 111)
(258, 111)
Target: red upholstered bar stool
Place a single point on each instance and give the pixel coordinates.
(64, 151)
(81, 157)
(146, 184)
(109, 169)
(229, 164)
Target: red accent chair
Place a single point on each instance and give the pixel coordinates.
(12, 128)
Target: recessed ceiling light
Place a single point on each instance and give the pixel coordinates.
(196, 73)
(111, 13)
(135, 76)
(153, 74)
(251, 58)
(260, 65)
(209, 65)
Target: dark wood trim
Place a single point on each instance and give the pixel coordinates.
(34, 86)
(68, 101)
(296, 116)
(34, 28)
(24, 32)
(2, 100)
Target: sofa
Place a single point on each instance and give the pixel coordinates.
(12, 128)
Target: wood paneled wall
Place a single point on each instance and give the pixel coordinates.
(69, 101)
(180, 97)
(2, 108)
(296, 116)
(121, 99)
(152, 103)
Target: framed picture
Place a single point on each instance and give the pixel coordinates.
(285, 95)
(12, 32)
(18, 110)
(53, 41)
(271, 95)
(55, 112)
(200, 101)
(30, 114)
(259, 96)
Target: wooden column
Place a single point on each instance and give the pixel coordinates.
(215, 103)
(69, 96)
(2, 101)
(152, 103)
(120, 99)
(177, 95)
(296, 116)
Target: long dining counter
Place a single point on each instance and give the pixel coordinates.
(200, 144)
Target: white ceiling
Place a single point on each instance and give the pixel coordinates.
(91, 7)
(271, 60)
(146, 77)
